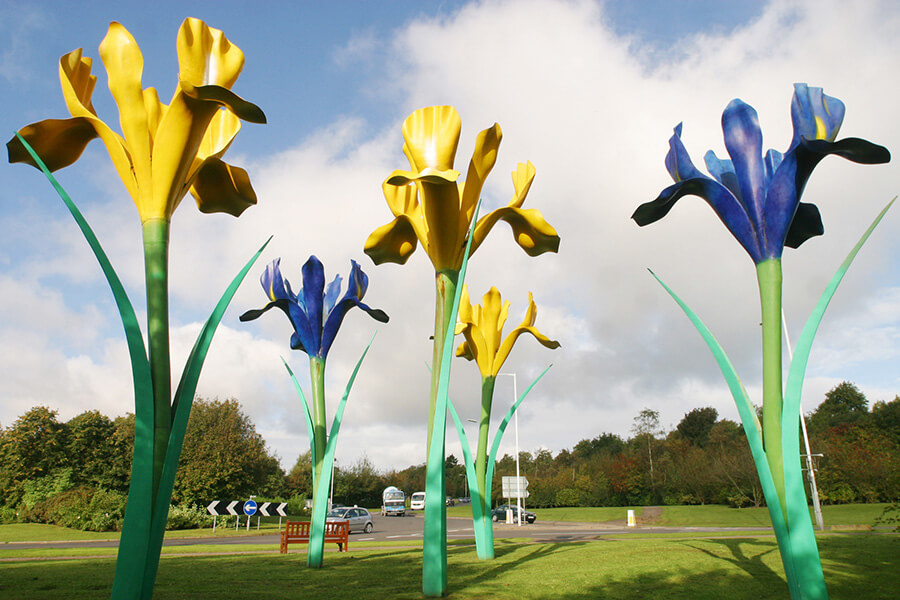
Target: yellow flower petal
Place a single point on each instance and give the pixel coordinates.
(124, 66)
(206, 57)
(394, 242)
(77, 86)
(59, 142)
(527, 326)
(222, 188)
(483, 159)
(432, 135)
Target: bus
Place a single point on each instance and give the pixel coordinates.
(393, 502)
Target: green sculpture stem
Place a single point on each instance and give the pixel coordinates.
(481, 454)
(156, 272)
(445, 288)
(317, 382)
(434, 563)
(770, 284)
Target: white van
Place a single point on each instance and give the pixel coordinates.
(417, 501)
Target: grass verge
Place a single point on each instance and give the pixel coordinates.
(865, 566)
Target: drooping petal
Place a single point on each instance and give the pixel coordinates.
(313, 297)
(530, 230)
(394, 242)
(527, 326)
(717, 196)
(222, 188)
(59, 142)
(219, 95)
(807, 223)
(357, 283)
(124, 67)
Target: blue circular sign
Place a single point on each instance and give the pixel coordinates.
(249, 508)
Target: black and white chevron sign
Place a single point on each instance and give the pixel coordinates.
(235, 507)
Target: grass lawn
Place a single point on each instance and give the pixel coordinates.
(856, 566)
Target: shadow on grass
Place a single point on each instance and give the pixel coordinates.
(866, 566)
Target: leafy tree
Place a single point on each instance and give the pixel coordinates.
(646, 426)
(886, 417)
(223, 456)
(34, 446)
(696, 425)
(844, 403)
(94, 455)
(299, 480)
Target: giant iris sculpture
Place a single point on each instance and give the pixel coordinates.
(163, 152)
(758, 199)
(482, 327)
(316, 314)
(432, 207)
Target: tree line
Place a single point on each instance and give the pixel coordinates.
(75, 473)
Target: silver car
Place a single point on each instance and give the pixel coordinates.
(359, 518)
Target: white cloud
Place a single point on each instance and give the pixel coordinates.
(593, 112)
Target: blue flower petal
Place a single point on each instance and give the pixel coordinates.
(313, 289)
(332, 293)
(357, 284)
(814, 115)
(743, 140)
(723, 172)
(272, 281)
(678, 161)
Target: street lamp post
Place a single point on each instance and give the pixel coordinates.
(518, 478)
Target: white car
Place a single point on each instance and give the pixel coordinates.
(359, 518)
(417, 501)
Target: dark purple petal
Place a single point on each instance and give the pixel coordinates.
(255, 313)
(726, 206)
(743, 140)
(807, 223)
(312, 292)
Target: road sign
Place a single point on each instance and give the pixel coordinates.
(230, 507)
(212, 507)
(512, 487)
(250, 508)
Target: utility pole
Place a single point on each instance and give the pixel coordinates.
(810, 466)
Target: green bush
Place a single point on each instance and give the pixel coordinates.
(188, 516)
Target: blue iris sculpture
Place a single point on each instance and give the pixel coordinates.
(757, 197)
(316, 314)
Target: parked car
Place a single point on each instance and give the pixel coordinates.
(499, 514)
(359, 518)
(417, 501)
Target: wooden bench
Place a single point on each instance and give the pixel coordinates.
(297, 532)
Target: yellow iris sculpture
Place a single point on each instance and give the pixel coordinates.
(482, 327)
(163, 152)
(433, 207)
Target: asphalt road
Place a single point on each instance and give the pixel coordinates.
(409, 528)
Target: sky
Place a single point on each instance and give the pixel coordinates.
(588, 91)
